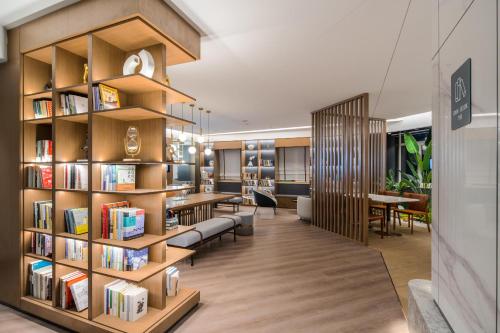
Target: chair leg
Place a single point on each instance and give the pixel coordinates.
(382, 228)
(393, 221)
(274, 208)
(234, 234)
(410, 218)
(255, 211)
(192, 260)
(427, 222)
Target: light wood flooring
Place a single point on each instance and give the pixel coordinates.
(288, 277)
(407, 257)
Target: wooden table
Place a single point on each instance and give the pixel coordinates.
(196, 207)
(389, 200)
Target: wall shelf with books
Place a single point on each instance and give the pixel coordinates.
(84, 196)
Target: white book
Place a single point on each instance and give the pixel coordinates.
(139, 303)
(79, 291)
(81, 104)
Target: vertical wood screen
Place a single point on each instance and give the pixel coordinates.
(340, 137)
(377, 155)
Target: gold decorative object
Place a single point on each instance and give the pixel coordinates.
(85, 73)
(167, 80)
(132, 143)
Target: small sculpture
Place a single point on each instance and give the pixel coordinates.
(132, 143)
(143, 58)
(85, 73)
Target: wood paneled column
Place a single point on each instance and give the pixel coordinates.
(340, 168)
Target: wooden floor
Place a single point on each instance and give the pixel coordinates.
(407, 256)
(288, 277)
(15, 321)
(291, 277)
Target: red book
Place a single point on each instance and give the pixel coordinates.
(46, 177)
(69, 296)
(105, 215)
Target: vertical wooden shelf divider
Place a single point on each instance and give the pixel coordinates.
(144, 103)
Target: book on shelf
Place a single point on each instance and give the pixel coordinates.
(41, 244)
(250, 176)
(73, 288)
(72, 103)
(39, 176)
(248, 200)
(172, 221)
(75, 176)
(121, 259)
(42, 214)
(43, 150)
(250, 182)
(209, 181)
(105, 97)
(206, 174)
(121, 222)
(248, 190)
(267, 163)
(42, 108)
(116, 177)
(76, 220)
(125, 300)
(266, 182)
(40, 279)
(76, 250)
(173, 285)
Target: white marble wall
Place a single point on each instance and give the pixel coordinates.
(464, 195)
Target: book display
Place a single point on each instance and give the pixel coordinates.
(94, 221)
(207, 172)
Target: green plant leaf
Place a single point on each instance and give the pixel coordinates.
(426, 165)
(411, 144)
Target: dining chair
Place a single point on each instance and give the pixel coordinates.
(417, 208)
(373, 216)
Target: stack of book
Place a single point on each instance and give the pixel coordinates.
(122, 259)
(249, 175)
(117, 177)
(105, 97)
(76, 250)
(39, 176)
(267, 163)
(250, 182)
(207, 181)
(173, 285)
(125, 300)
(121, 222)
(76, 220)
(40, 279)
(266, 182)
(247, 190)
(75, 176)
(74, 104)
(42, 214)
(42, 108)
(74, 291)
(41, 244)
(172, 222)
(43, 150)
(248, 200)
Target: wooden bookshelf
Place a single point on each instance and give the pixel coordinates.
(56, 69)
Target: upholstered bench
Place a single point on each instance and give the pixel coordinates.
(205, 231)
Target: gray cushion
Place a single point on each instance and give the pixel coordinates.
(213, 226)
(185, 240)
(233, 218)
(236, 200)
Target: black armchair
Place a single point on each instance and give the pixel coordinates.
(264, 199)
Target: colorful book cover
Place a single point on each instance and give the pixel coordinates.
(109, 97)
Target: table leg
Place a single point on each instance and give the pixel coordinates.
(387, 217)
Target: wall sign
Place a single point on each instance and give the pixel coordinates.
(461, 96)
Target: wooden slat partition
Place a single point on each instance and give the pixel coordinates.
(340, 142)
(377, 155)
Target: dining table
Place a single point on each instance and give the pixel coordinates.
(388, 201)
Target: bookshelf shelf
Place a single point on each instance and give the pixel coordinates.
(36, 256)
(47, 120)
(173, 256)
(81, 118)
(132, 113)
(139, 84)
(79, 144)
(80, 88)
(39, 94)
(81, 265)
(144, 241)
(185, 298)
(39, 230)
(84, 237)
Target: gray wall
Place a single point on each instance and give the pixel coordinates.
(464, 244)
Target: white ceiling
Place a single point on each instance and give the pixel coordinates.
(272, 62)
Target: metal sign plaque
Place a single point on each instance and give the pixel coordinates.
(461, 107)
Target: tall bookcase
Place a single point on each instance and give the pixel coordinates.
(143, 104)
(257, 167)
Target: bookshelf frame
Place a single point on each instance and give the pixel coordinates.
(145, 103)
